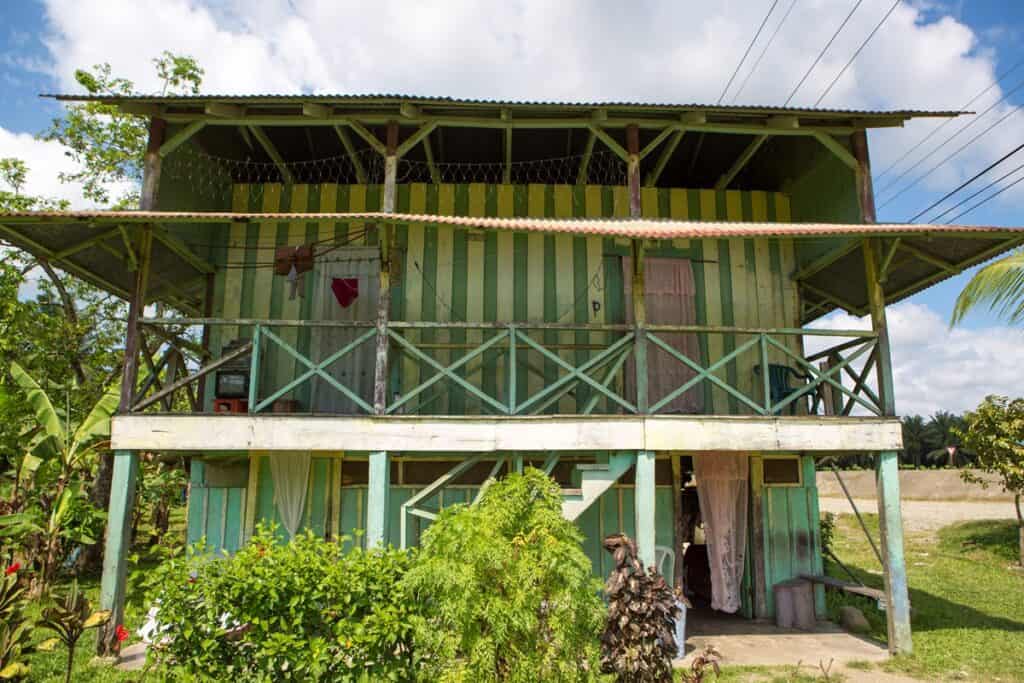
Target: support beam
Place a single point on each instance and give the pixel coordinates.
(414, 139)
(366, 135)
(380, 377)
(113, 587)
(883, 270)
(645, 509)
(506, 174)
(929, 258)
(181, 137)
(582, 175)
(428, 152)
(845, 305)
(834, 146)
(865, 188)
(275, 156)
(826, 259)
(353, 155)
(887, 472)
(610, 142)
(742, 161)
(663, 158)
(223, 110)
(658, 139)
(84, 244)
(316, 110)
(639, 302)
(377, 503)
(678, 531)
(181, 249)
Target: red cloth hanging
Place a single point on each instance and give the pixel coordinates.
(346, 290)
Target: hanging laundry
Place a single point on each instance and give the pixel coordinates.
(346, 290)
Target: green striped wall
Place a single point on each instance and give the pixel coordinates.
(468, 275)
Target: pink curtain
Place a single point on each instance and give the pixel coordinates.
(670, 296)
(722, 483)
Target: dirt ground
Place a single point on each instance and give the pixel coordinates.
(927, 515)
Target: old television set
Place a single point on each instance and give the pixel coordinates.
(232, 379)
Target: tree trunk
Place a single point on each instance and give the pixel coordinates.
(1020, 529)
(100, 498)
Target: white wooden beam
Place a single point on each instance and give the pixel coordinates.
(487, 435)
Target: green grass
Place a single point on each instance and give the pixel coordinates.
(966, 596)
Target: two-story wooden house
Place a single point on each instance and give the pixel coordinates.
(390, 301)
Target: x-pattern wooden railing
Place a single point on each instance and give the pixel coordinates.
(598, 373)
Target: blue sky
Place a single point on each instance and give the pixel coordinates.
(929, 55)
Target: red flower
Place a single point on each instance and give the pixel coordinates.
(121, 633)
(13, 568)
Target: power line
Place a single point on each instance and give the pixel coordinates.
(950, 120)
(972, 196)
(949, 139)
(747, 52)
(763, 52)
(968, 182)
(823, 51)
(948, 157)
(857, 53)
(986, 200)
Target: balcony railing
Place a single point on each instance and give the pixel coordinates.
(516, 369)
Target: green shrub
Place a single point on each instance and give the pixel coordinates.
(507, 589)
(304, 610)
(828, 533)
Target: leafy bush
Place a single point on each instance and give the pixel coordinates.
(15, 628)
(507, 589)
(828, 533)
(304, 610)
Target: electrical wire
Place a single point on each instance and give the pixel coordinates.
(823, 51)
(857, 53)
(984, 201)
(950, 120)
(763, 53)
(975, 194)
(948, 157)
(967, 182)
(747, 52)
(952, 137)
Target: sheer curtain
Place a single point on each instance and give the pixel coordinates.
(291, 479)
(722, 488)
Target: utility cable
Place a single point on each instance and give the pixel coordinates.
(823, 51)
(967, 182)
(952, 137)
(949, 120)
(763, 52)
(857, 53)
(747, 52)
(984, 201)
(975, 194)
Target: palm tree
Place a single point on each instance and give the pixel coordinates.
(915, 437)
(1000, 285)
(943, 436)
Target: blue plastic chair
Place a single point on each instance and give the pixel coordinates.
(778, 384)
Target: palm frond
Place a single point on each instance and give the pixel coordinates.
(46, 415)
(97, 423)
(1000, 286)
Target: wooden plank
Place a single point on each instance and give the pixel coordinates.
(535, 274)
(474, 283)
(645, 501)
(741, 161)
(113, 585)
(465, 434)
(845, 586)
(564, 266)
(377, 506)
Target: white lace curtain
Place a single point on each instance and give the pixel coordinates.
(722, 488)
(291, 479)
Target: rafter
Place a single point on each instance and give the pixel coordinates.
(832, 298)
(929, 258)
(428, 151)
(833, 145)
(275, 156)
(181, 137)
(658, 139)
(608, 140)
(129, 248)
(181, 249)
(506, 173)
(371, 139)
(414, 139)
(742, 161)
(883, 269)
(84, 244)
(353, 155)
(666, 154)
(826, 259)
(588, 151)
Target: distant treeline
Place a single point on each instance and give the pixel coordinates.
(927, 442)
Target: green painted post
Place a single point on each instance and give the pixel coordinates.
(890, 521)
(116, 547)
(644, 506)
(638, 290)
(377, 500)
(254, 370)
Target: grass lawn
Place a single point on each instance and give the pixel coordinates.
(966, 596)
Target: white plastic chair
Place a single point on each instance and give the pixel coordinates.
(665, 561)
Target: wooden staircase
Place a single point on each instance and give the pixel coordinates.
(595, 479)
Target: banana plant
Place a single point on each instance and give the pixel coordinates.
(69, 617)
(15, 629)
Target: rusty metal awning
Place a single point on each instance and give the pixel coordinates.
(94, 246)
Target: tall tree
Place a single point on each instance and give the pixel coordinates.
(1000, 286)
(914, 438)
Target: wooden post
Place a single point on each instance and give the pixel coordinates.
(890, 520)
(120, 470)
(380, 377)
(377, 500)
(865, 189)
(644, 504)
(678, 532)
(757, 558)
(638, 301)
(208, 312)
(115, 553)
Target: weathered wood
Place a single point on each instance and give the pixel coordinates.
(353, 155)
(610, 142)
(865, 189)
(837, 148)
(275, 156)
(201, 372)
(678, 532)
(644, 501)
(380, 378)
(757, 540)
(666, 155)
(743, 159)
(416, 138)
(506, 173)
(872, 593)
(856, 513)
(113, 587)
(582, 175)
(457, 434)
(181, 137)
(377, 499)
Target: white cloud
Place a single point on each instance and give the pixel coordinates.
(935, 368)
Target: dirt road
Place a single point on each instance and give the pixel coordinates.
(927, 515)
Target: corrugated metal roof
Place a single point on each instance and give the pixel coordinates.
(613, 227)
(384, 98)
